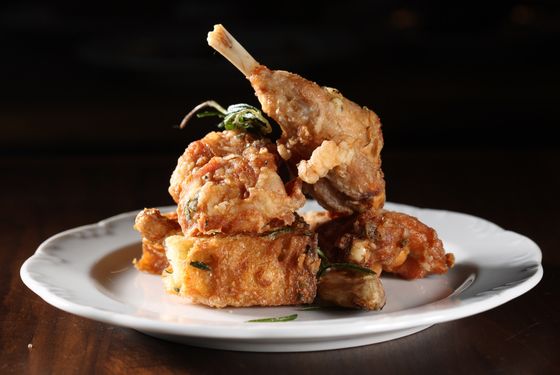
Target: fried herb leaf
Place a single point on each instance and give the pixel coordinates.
(310, 308)
(325, 265)
(236, 117)
(201, 265)
(274, 233)
(322, 255)
(286, 318)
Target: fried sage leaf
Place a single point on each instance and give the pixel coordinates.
(236, 117)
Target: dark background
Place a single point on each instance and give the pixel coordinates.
(94, 77)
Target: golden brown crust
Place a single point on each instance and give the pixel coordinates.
(332, 143)
(389, 241)
(153, 259)
(228, 183)
(154, 228)
(425, 252)
(244, 270)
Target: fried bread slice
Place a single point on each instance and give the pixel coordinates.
(273, 269)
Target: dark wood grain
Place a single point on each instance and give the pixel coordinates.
(41, 196)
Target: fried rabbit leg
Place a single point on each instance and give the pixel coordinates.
(332, 143)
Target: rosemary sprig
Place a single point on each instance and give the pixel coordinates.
(286, 318)
(200, 265)
(274, 233)
(350, 266)
(325, 265)
(322, 255)
(310, 308)
(236, 117)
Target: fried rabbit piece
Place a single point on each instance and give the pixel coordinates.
(154, 228)
(390, 241)
(333, 143)
(227, 182)
(351, 289)
(274, 269)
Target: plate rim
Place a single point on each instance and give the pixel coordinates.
(281, 331)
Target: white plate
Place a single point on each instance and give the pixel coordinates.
(87, 271)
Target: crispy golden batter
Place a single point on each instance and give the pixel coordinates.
(333, 143)
(244, 270)
(390, 241)
(227, 182)
(154, 228)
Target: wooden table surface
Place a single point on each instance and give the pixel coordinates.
(43, 195)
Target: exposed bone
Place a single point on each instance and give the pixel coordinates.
(222, 41)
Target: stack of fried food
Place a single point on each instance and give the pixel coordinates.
(236, 239)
